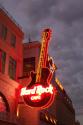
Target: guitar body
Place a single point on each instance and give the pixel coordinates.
(46, 98)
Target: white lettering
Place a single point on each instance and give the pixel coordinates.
(32, 91)
(35, 97)
(38, 89)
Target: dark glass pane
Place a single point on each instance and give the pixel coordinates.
(12, 68)
(3, 32)
(2, 61)
(0, 29)
(13, 40)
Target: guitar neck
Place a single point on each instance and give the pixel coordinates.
(43, 54)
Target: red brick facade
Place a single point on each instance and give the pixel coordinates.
(8, 86)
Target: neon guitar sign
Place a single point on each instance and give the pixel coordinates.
(40, 93)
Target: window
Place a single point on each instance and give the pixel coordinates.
(13, 40)
(4, 106)
(2, 61)
(3, 32)
(28, 65)
(12, 68)
(0, 29)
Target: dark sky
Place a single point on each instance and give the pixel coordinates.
(65, 18)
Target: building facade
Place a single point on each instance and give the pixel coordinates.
(11, 59)
(31, 52)
(61, 112)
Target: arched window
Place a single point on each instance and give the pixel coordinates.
(4, 106)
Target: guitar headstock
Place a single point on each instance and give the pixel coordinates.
(46, 34)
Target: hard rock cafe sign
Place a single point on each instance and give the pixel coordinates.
(40, 93)
(38, 96)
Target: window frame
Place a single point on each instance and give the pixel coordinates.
(2, 61)
(5, 102)
(12, 68)
(13, 40)
(3, 32)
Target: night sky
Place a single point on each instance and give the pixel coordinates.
(65, 18)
